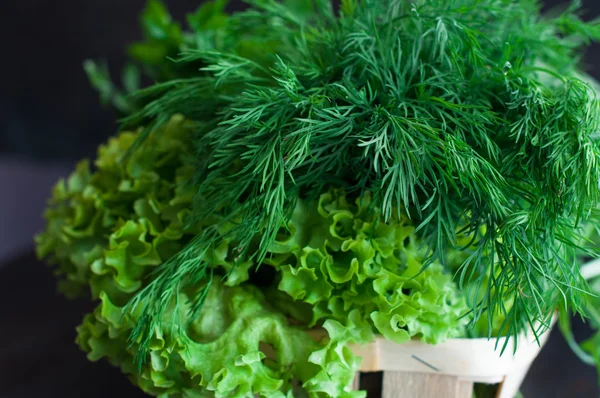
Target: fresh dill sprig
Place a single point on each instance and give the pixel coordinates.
(466, 114)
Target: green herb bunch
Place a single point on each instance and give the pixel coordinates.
(467, 115)
(405, 166)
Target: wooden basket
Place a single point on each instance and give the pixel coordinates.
(448, 370)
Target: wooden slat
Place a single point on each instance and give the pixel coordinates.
(465, 389)
(422, 385)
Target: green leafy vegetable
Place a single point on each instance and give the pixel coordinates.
(337, 266)
(344, 258)
(109, 227)
(224, 353)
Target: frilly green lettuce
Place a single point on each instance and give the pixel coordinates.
(337, 268)
(238, 347)
(108, 228)
(341, 258)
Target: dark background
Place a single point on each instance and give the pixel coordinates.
(49, 118)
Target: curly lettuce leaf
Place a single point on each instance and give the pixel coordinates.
(238, 347)
(343, 259)
(108, 228)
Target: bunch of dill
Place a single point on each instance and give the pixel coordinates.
(468, 115)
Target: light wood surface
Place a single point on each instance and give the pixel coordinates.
(465, 389)
(424, 385)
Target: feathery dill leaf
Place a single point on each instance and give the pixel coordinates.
(466, 114)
